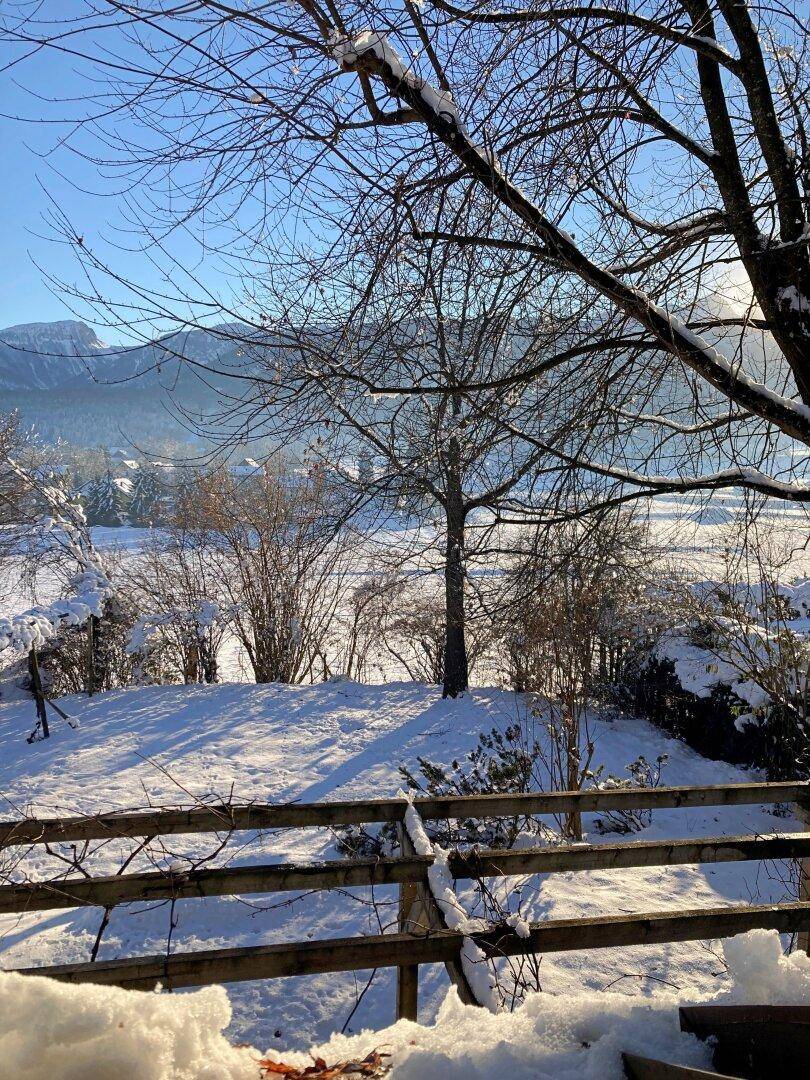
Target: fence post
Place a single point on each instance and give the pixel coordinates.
(803, 936)
(36, 689)
(91, 656)
(408, 974)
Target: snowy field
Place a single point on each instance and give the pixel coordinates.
(175, 745)
(169, 745)
(691, 534)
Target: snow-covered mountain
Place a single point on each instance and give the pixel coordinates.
(68, 384)
(69, 354)
(39, 356)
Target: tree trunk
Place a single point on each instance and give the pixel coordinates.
(456, 673)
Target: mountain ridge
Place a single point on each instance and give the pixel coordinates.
(68, 354)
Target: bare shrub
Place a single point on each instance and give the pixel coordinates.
(571, 603)
(642, 774)
(279, 546)
(185, 616)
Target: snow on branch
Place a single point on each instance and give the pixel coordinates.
(63, 528)
(34, 628)
(348, 50)
(374, 54)
(147, 628)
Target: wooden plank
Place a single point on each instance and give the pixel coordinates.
(392, 950)
(407, 974)
(350, 873)
(432, 918)
(259, 816)
(701, 1019)
(803, 814)
(644, 1068)
(109, 891)
(768, 1041)
(222, 881)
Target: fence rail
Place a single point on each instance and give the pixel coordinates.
(439, 946)
(424, 942)
(259, 816)
(352, 873)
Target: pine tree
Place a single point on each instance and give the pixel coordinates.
(147, 493)
(107, 502)
(365, 467)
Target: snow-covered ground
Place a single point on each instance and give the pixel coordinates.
(691, 533)
(171, 744)
(48, 1029)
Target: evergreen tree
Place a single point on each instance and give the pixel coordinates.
(147, 493)
(107, 501)
(365, 467)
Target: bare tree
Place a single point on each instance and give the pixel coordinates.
(638, 152)
(448, 457)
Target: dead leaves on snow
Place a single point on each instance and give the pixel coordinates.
(372, 1065)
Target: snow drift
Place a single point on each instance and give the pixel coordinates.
(50, 1029)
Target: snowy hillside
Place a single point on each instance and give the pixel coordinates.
(68, 353)
(171, 745)
(37, 356)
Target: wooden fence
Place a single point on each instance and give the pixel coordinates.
(422, 936)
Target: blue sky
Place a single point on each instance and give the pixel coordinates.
(24, 295)
(38, 172)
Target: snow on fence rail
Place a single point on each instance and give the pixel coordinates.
(427, 934)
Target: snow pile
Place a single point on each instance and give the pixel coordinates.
(50, 1029)
(762, 974)
(480, 978)
(576, 1036)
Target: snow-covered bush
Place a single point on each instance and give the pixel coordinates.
(402, 617)
(570, 603)
(414, 630)
(731, 674)
(14, 489)
(61, 542)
